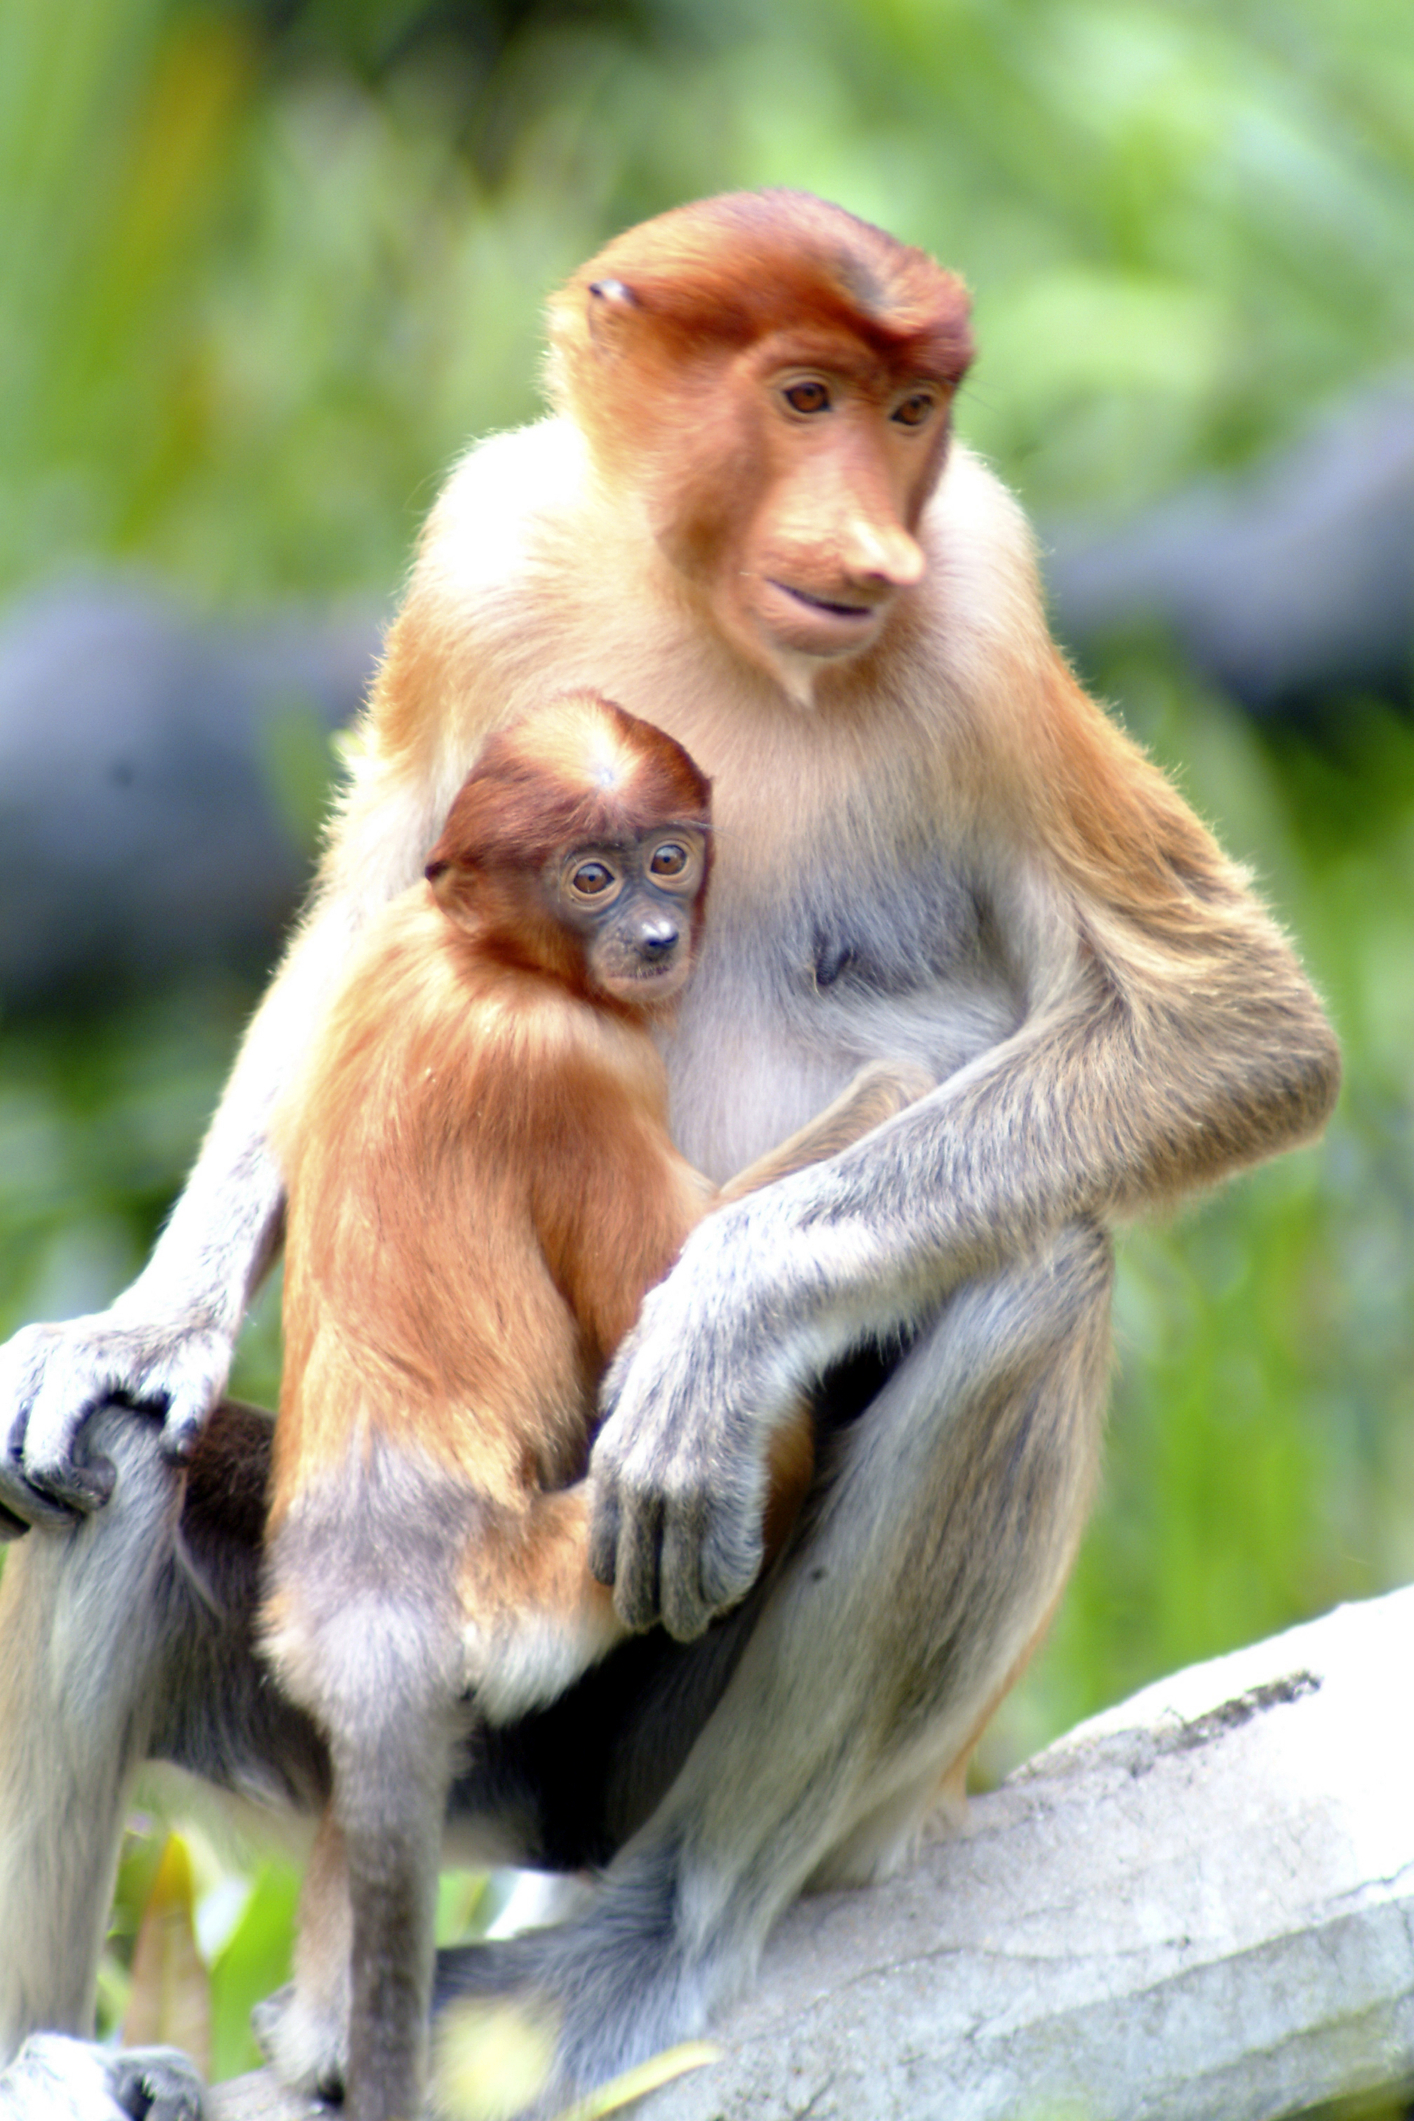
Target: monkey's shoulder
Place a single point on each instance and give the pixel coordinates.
(506, 489)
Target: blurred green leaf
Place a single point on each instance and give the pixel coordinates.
(169, 1997)
(253, 1964)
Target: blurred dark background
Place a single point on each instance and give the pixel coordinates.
(267, 268)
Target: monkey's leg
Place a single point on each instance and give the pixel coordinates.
(360, 1623)
(355, 2017)
(363, 1971)
(392, 1771)
(303, 2029)
(81, 1625)
(128, 1636)
(924, 1570)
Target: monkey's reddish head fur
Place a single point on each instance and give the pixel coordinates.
(577, 772)
(726, 273)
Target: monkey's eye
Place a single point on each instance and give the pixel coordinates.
(591, 879)
(916, 409)
(807, 396)
(670, 858)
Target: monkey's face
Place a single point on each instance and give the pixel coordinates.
(771, 378)
(631, 903)
(848, 454)
(796, 510)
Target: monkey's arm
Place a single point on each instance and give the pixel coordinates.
(876, 1094)
(165, 1344)
(1153, 1057)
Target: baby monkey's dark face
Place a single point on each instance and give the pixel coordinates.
(633, 902)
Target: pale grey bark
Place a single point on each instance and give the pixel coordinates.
(1201, 1904)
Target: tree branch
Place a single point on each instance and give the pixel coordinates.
(1197, 1907)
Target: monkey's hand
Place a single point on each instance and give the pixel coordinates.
(52, 1378)
(717, 1362)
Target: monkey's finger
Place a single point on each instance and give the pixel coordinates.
(156, 2084)
(40, 1482)
(181, 1430)
(637, 1593)
(686, 1609)
(23, 1506)
(21, 1374)
(56, 1489)
(181, 1382)
(81, 1484)
(57, 1379)
(729, 1559)
(604, 1533)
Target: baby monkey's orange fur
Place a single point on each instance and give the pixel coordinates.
(482, 1186)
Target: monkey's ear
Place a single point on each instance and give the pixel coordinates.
(454, 890)
(610, 313)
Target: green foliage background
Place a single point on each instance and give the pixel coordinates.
(266, 269)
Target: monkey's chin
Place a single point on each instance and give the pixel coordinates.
(793, 639)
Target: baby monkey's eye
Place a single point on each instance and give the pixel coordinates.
(592, 879)
(670, 859)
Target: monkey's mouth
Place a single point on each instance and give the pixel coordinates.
(646, 980)
(819, 625)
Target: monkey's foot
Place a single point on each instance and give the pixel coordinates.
(305, 2044)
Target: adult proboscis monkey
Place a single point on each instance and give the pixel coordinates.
(747, 521)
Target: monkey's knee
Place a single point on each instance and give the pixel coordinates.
(89, 1606)
(1017, 1367)
(1055, 1302)
(1021, 1378)
(981, 1454)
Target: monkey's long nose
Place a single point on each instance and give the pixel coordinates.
(878, 549)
